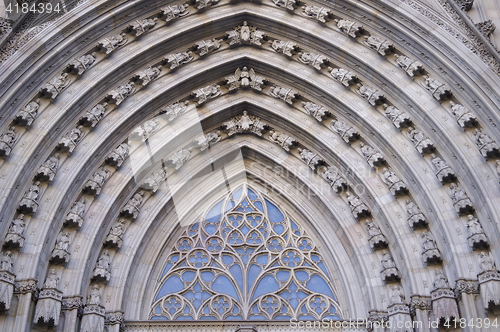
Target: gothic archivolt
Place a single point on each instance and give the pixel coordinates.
(388, 149)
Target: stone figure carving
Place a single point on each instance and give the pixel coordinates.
(439, 90)
(147, 75)
(352, 29)
(397, 295)
(348, 134)
(174, 110)
(48, 169)
(444, 173)
(440, 280)
(63, 241)
(489, 281)
(415, 217)
(54, 87)
(145, 130)
(26, 115)
(430, 251)
(465, 5)
(246, 35)
(114, 238)
(373, 96)
(372, 156)
(171, 13)
(287, 4)
(411, 67)
(207, 46)
(178, 59)
(244, 78)
(69, 141)
(343, 76)
(316, 111)
(117, 157)
(48, 306)
(475, 234)
(52, 280)
(487, 263)
(396, 185)
(486, 28)
(102, 271)
(94, 185)
(60, 254)
(285, 141)
(108, 45)
(6, 263)
(383, 47)
(375, 237)
(310, 158)
(91, 118)
(320, 14)
(94, 295)
(317, 61)
(29, 202)
(140, 27)
(180, 157)
(287, 48)
(244, 124)
(487, 147)
(461, 201)
(422, 143)
(118, 95)
(7, 278)
(7, 141)
(288, 95)
(398, 118)
(206, 140)
(200, 4)
(358, 209)
(444, 304)
(464, 117)
(209, 92)
(153, 181)
(80, 65)
(389, 271)
(131, 209)
(15, 236)
(337, 182)
(75, 215)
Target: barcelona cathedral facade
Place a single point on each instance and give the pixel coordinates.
(266, 165)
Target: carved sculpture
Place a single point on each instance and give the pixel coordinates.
(177, 59)
(180, 157)
(173, 12)
(60, 254)
(383, 47)
(317, 61)
(94, 185)
(7, 141)
(287, 4)
(118, 95)
(343, 76)
(287, 48)
(91, 118)
(430, 252)
(461, 201)
(153, 181)
(310, 158)
(143, 132)
(439, 90)
(52, 280)
(486, 28)
(207, 46)
(285, 141)
(6, 263)
(174, 110)
(209, 92)
(396, 185)
(487, 147)
(316, 111)
(93, 312)
(358, 209)
(415, 217)
(114, 238)
(411, 67)
(15, 236)
(48, 307)
(7, 278)
(422, 143)
(48, 169)
(397, 295)
(489, 281)
(244, 78)
(54, 87)
(464, 117)
(244, 124)
(373, 96)
(487, 263)
(372, 156)
(69, 141)
(206, 140)
(144, 77)
(131, 209)
(465, 5)
(444, 173)
(352, 29)
(475, 234)
(375, 237)
(320, 14)
(108, 45)
(444, 305)
(94, 296)
(75, 215)
(246, 35)
(80, 65)
(398, 118)
(389, 271)
(29, 202)
(102, 270)
(118, 156)
(348, 134)
(288, 95)
(25, 116)
(140, 27)
(200, 4)
(337, 182)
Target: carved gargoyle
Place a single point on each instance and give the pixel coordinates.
(26, 115)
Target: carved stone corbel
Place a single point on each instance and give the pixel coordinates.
(55, 86)
(91, 118)
(438, 90)
(373, 96)
(337, 182)
(464, 117)
(411, 67)
(117, 157)
(320, 14)
(316, 111)
(310, 158)
(352, 29)
(343, 76)
(26, 115)
(398, 118)
(358, 209)
(348, 134)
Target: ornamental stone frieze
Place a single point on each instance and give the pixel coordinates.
(461, 202)
(372, 156)
(288, 48)
(444, 305)
(178, 59)
(202, 4)
(331, 175)
(320, 14)
(146, 76)
(316, 111)
(489, 281)
(91, 118)
(244, 124)
(70, 140)
(26, 115)
(375, 237)
(204, 47)
(61, 254)
(109, 44)
(389, 271)
(94, 185)
(140, 27)
(7, 141)
(48, 170)
(15, 237)
(444, 173)
(464, 117)
(115, 318)
(439, 91)
(285, 94)
(419, 302)
(397, 117)
(487, 147)
(486, 28)
(352, 29)
(244, 78)
(464, 286)
(286, 141)
(132, 208)
(311, 159)
(145, 130)
(209, 92)
(170, 13)
(245, 35)
(430, 251)
(344, 76)
(383, 47)
(396, 186)
(75, 215)
(26, 286)
(7, 278)
(80, 65)
(180, 157)
(475, 234)
(287, 4)
(117, 157)
(48, 307)
(465, 5)
(373, 96)
(315, 60)
(54, 87)
(348, 134)
(411, 67)
(358, 209)
(120, 93)
(414, 215)
(30, 201)
(72, 303)
(204, 141)
(421, 142)
(174, 110)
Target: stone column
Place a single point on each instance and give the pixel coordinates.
(48, 307)
(93, 318)
(6, 289)
(420, 309)
(444, 304)
(465, 292)
(71, 307)
(115, 321)
(376, 321)
(489, 282)
(399, 317)
(28, 294)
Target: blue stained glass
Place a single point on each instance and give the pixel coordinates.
(251, 195)
(322, 266)
(186, 310)
(230, 205)
(223, 285)
(332, 317)
(234, 318)
(228, 260)
(258, 317)
(159, 318)
(237, 194)
(244, 229)
(306, 317)
(172, 285)
(282, 275)
(282, 317)
(213, 215)
(315, 258)
(188, 276)
(278, 229)
(207, 276)
(275, 214)
(258, 205)
(266, 285)
(262, 259)
(302, 275)
(184, 318)
(236, 272)
(319, 285)
(158, 309)
(253, 272)
(211, 229)
(169, 265)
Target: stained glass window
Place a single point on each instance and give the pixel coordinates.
(246, 259)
